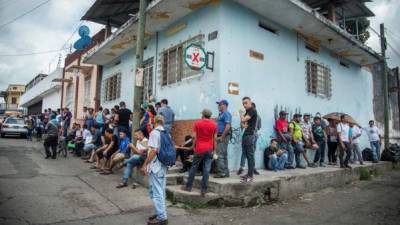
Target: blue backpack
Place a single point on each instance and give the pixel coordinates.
(167, 153)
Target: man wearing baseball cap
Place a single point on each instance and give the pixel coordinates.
(224, 121)
(297, 137)
(284, 138)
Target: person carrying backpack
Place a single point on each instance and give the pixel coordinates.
(161, 155)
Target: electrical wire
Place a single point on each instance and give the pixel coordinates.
(23, 14)
(32, 53)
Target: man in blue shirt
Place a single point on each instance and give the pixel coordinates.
(168, 114)
(224, 121)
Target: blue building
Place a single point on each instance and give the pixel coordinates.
(282, 54)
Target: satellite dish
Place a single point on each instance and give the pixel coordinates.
(85, 39)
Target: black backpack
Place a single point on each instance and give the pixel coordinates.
(367, 154)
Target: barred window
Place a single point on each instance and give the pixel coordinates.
(87, 86)
(172, 65)
(112, 88)
(148, 79)
(318, 79)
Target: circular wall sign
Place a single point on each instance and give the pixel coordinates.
(195, 57)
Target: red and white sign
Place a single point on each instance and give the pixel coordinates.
(195, 57)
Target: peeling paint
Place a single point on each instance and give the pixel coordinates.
(160, 15)
(202, 4)
(121, 44)
(175, 29)
(112, 54)
(347, 53)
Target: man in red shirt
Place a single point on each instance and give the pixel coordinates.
(284, 138)
(205, 136)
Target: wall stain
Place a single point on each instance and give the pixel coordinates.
(160, 15)
(202, 4)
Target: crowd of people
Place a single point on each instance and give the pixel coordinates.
(103, 140)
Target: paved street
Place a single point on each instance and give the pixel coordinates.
(64, 191)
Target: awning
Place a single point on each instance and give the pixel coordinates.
(113, 12)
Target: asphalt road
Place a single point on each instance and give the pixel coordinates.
(34, 190)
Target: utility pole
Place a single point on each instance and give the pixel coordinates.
(138, 87)
(385, 84)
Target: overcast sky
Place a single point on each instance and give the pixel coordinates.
(49, 27)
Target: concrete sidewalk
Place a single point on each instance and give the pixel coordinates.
(272, 186)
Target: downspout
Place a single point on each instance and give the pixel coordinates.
(99, 77)
(62, 87)
(77, 91)
(156, 69)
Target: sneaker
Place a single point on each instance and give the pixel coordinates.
(289, 167)
(240, 171)
(219, 176)
(157, 222)
(256, 172)
(247, 180)
(348, 166)
(361, 163)
(322, 165)
(312, 165)
(301, 167)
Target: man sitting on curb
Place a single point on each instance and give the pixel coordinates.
(121, 154)
(139, 154)
(96, 142)
(105, 152)
(277, 158)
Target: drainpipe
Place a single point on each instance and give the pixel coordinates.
(99, 77)
(332, 12)
(76, 93)
(138, 88)
(385, 85)
(62, 87)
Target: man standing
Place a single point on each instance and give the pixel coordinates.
(343, 130)
(374, 138)
(356, 134)
(248, 122)
(52, 138)
(306, 128)
(224, 121)
(205, 136)
(123, 116)
(66, 121)
(168, 114)
(157, 174)
(297, 137)
(284, 138)
(320, 138)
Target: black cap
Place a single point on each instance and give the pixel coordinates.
(297, 115)
(283, 113)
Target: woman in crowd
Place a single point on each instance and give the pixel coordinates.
(332, 134)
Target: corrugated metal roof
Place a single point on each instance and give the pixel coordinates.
(113, 12)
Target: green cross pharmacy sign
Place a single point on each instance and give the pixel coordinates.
(195, 57)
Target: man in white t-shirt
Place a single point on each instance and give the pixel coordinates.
(374, 138)
(139, 154)
(343, 130)
(356, 135)
(156, 171)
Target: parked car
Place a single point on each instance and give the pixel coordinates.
(14, 126)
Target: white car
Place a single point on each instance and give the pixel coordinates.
(14, 126)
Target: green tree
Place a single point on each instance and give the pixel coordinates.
(363, 25)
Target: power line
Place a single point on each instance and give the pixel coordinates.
(394, 50)
(24, 14)
(32, 53)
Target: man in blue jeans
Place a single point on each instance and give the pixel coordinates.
(276, 157)
(205, 137)
(248, 122)
(157, 175)
(224, 121)
(374, 138)
(137, 158)
(343, 130)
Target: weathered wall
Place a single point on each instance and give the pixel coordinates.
(279, 80)
(394, 116)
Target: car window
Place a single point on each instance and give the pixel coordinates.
(15, 121)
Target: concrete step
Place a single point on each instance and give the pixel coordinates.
(271, 186)
(173, 177)
(193, 198)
